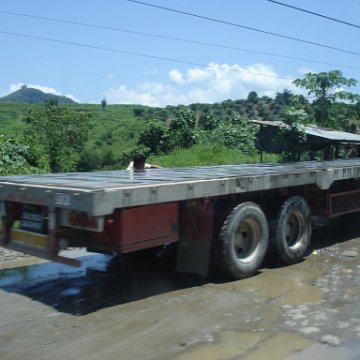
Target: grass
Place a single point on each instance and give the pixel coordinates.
(207, 155)
(10, 118)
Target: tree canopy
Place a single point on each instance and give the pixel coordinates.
(59, 133)
(327, 88)
(19, 158)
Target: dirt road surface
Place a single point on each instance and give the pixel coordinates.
(310, 310)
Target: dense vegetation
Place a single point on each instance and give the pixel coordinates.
(87, 137)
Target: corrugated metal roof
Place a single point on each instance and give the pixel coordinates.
(332, 134)
(317, 131)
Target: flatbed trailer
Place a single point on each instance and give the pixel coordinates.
(229, 216)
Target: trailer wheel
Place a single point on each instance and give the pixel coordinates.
(293, 230)
(243, 241)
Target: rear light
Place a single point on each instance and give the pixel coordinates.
(109, 222)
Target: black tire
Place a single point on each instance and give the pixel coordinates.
(243, 241)
(292, 230)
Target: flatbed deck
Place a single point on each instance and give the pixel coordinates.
(101, 192)
(124, 211)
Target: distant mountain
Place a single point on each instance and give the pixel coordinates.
(34, 96)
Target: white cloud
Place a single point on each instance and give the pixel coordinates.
(45, 89)
(197, 75)
(123, 95)
(215, 83)
(176, 76)
(191, 76)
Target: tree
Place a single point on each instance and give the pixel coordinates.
(239, 134)
(103, 103)
(155, 136)
(182, 129)
(292, 136)
(18, 158)
(284, 98)
(348, 115)
(89, 160)
(252, 97)
(138, 112)
(208, 122)
(59, 132)
(326, 86)
(184, 119)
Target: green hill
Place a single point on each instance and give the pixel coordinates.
(33, 96)
(115, 128)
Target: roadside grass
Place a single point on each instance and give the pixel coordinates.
(207, 155)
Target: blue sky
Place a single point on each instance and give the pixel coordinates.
(201, 73)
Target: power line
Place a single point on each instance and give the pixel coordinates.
(136, 54)
(130, 53)
(159, 36)
(139, 54)
(314, 13)
(245, 27)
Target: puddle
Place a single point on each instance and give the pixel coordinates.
(93, 285)
(294, 284)
(290, 285)
(28, 273)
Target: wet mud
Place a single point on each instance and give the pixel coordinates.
(144, 310)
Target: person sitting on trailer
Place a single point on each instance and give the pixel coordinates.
(139, 163)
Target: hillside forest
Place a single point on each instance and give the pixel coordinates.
(65, 137)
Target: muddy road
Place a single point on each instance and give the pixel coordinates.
(310, 310)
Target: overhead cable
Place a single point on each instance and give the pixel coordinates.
(314, 13)
(159, 36)
(246, 27)
(138, 54)
(130, 53)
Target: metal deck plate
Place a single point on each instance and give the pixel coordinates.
(99, 193)
(102, 180)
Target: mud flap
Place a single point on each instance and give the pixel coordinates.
(193, 256)
(196, 231)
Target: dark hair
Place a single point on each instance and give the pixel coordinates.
(139, 158)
